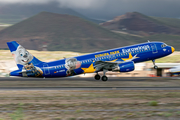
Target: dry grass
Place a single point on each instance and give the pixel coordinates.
(80, 100)
(173, 58)
(88, 100)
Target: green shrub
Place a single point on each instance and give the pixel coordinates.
(153, 103)
(17, 115)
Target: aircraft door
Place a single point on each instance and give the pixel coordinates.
(46, 69)
(154, 48)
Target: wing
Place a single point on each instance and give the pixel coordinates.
(109, 65)
(99, 65)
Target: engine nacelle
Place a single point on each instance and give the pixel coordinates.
(124, 67)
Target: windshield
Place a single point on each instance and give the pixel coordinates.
(163, 45)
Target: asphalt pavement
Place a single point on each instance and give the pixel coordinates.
(85, 78)
(21, 88)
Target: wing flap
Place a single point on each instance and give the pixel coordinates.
(104, 65)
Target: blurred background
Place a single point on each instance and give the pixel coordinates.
(75, 27)
(54, 29)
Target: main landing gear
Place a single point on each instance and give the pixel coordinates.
(155, 66)
(104, 78)
(97, 77)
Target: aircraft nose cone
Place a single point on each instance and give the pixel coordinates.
(172, 49)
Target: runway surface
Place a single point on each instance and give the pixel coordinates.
(86, 79)
(76, 80)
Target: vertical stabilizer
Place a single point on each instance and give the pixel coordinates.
(21, 55)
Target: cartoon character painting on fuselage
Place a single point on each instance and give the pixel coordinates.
(116, 60)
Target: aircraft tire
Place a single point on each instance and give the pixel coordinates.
(104, 78)
(155, 67)
(97, 77)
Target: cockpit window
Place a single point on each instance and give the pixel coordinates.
(163, 45)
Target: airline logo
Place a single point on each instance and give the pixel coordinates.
(145, 47)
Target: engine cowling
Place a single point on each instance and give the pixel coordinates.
(124, 67)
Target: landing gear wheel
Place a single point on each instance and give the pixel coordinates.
(104, 78)
(155, 67)
(97, 77)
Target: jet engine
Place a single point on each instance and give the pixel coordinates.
(124, 67)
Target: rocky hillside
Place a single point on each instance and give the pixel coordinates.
(138, 23)
(62, 32)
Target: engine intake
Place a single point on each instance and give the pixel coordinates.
(124, 67)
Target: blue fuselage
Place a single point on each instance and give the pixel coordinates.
(73, 66)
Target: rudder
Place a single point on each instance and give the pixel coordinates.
(21, 55)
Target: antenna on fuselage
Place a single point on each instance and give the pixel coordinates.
(148, 40)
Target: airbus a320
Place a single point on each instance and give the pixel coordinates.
(121, 59)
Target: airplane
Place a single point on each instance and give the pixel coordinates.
(121, 59)
(175, 71)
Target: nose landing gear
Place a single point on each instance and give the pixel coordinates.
(155, 66)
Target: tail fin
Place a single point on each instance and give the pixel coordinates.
(21, 55)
